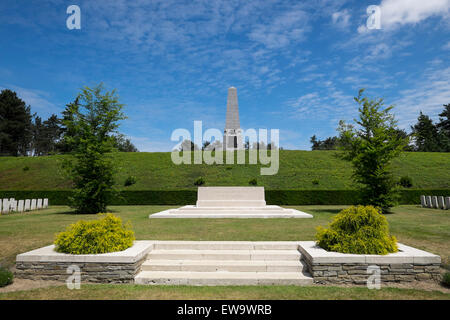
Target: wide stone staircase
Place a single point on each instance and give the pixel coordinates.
(223, 263)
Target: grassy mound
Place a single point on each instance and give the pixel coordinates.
(298, 170)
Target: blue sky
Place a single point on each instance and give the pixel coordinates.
(296, 64)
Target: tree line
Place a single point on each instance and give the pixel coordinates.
(425, 136)
(23, 133)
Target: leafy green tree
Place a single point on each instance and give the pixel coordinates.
(52, 134)
(39, 141)
(426, 135)
(15, 125)
(91, 121)
(330, 143)
(370, 149)
(123, 144)
(444, 128)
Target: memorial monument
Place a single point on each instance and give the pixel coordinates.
(232, 138)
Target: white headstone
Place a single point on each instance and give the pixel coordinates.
(13, 205)
(33, 204)
(5, 206)
(27, 205)
(434, 202)
(39, 204)
(447, 203)
(423, 201)
(45, 203)
(429, 205)
(441, 203)
(20, 206)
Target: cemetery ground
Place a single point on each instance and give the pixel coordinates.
(426, 229)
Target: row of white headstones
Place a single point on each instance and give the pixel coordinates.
(437, 202)
(13, 205)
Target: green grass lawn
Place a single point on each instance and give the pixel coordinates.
(118, 292)
(426, 229)
(298, 170)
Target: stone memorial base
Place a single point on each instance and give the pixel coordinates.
(231, 202)
(229, 263)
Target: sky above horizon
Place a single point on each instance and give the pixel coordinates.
(296, 64)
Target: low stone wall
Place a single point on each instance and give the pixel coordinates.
(408, 265)
(116, 267)
(90, 272)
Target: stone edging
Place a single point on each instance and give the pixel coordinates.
(116, 267)
(407, 265)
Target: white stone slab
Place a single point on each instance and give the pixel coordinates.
(429, 204)
(406, 254)
(45, 204)
(27, 205)
(33, 204)
(138, 251)
(39, 204)
(13, 205)
(434, 202)
(230, 197)
(441, 203)
(447, 203)
(5, 206)
(20, 206)
(423, 201)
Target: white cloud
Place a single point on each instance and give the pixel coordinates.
(341, 19)
(428, 95)
(401, 12)
(446, 46)
(38, 100)
(284, 29)
(396, 13)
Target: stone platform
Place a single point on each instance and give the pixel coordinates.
(231, 202)
(230, 263)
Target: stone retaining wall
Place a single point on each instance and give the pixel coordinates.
(356, 273)
(409, 264)
(102, 272)
(115, 267)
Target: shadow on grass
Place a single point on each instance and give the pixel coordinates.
(322, 210)
(75, 213)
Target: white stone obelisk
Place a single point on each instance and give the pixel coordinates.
(232, 138)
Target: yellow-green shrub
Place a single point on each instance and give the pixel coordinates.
(358, 230)
(108, 234)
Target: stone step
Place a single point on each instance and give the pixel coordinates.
(225, 245)
(222, 278)
(230, 215)
(224, 255)
(236, 208)
(223, 265)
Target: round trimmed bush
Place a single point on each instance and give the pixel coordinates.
(107, 234)
(199, 181)
(6, 277)
(358, 230)
(405, 182)
(130, 181)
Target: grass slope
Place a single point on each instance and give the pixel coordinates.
(155, 171)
